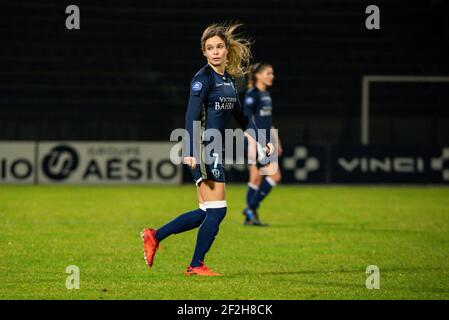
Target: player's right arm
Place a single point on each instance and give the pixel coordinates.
(199, 88)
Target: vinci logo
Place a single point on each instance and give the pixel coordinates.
(381, 165)
(301, 163)
(387, 164)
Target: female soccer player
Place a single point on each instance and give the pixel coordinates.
(213, 98)
(258, 106)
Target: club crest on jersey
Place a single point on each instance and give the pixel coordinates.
(196, 86)
(216, 173)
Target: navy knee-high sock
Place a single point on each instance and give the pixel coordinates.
(250, 193)
(187, 221)
(215, 212)
(264, 189)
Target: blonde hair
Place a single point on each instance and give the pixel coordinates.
(239, 53)
(255, 69)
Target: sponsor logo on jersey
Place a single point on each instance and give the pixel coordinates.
(225, 103)
(218, 84)
(196, 86)
(266, 98)
(265, 111)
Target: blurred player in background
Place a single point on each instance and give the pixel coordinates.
(213, 98)
(258, 106)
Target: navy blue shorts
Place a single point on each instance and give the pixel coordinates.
(208, 172)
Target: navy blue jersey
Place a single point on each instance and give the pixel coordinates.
(213, 98)
(258, 106)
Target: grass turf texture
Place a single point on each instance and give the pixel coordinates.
(318, 247)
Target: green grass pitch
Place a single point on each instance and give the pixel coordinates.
(319, 244)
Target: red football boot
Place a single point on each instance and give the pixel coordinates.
(150, 245)
(201, 271)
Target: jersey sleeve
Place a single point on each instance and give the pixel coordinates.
(199, 92)
(249, 104)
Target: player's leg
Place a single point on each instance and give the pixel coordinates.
(272, 176)
(268, 175)
(213, 194)
(255, 180)
(268, 183)
(254, 177)
(186, 221)
(277, 176)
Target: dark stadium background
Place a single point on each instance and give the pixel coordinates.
(125, 74)
(85, 122)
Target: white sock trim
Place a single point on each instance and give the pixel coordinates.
(202, 206)
(253, 186)
(215, 204)
(270, 181)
